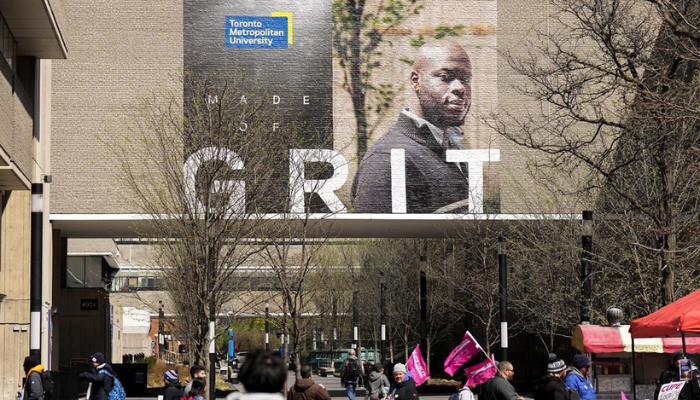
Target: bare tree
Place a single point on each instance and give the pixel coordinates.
(615, 104)
(203, 180)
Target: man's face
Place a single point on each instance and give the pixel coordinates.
(200, 374)
(442, 81)
(508, 373)
(398, 376)
(584, 370)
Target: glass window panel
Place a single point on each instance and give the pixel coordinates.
(76, 272)
(93, 272)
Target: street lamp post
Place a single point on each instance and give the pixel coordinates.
(161, 329)
(586, 252)
(267, 326)
(503, 286)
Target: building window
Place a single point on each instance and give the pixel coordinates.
(8, 44)
(85, 272)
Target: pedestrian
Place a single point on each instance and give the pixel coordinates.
(552, 386)
(197, 371)
(378, 384)
(351, 374)
(464, 392)
(690, 391)
(33, 387)
(173, 389)
(404, 386)
(198, 391)
(578, 378)
(306, 389)
(499, 387)
(263, 375)
(102, 380)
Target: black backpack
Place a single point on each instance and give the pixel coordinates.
(47, 385)
(352, 371)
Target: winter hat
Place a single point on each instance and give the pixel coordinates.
(677, 355)
(171, 376)
(399, 368)
(581, 361)
(555, 364)
(98, 358)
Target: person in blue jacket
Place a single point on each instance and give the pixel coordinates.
(578, 378)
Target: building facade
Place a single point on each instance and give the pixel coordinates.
(31, 36)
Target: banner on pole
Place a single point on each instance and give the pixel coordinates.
(417, 368)
(481, 372)
(460, 354)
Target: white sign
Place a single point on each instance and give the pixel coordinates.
(670, 391)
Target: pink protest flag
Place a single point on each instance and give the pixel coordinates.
(480, 372)
(460, 354)
(416, 366)
(623, 396)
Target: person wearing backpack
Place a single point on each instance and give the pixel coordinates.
(33, 387)
(351, 374)
(105, 385)
(378, 386)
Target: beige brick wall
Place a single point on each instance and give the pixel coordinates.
(120, 53)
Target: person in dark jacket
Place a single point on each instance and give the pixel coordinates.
(499, 387)
(404, 386)
(378, 384)
(351, 382)
(691, 390)
(306, 389)
(102, 382)
(173, 389)
(33, 387)
(552, 386)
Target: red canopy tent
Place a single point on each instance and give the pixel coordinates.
(683, 315)
(680, 317)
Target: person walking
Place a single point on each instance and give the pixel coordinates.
(173, 389)
(404, 386)
(102, 379)
(306, 389)
(552, 386)
(579, 380)
(263, 375)
(464, 392)
(33, 387)
(197, 371)
(499, 387)
(351, 374)
(378, 384)
(198, 391)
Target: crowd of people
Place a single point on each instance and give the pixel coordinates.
(264, 374)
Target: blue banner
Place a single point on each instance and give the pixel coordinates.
(246, 32)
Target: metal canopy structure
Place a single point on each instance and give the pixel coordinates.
(317, 225)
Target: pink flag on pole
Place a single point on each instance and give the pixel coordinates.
(460, 354)
(480, 372)
(623, 396)
(416, 365)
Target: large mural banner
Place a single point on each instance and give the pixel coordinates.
(392, 95)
